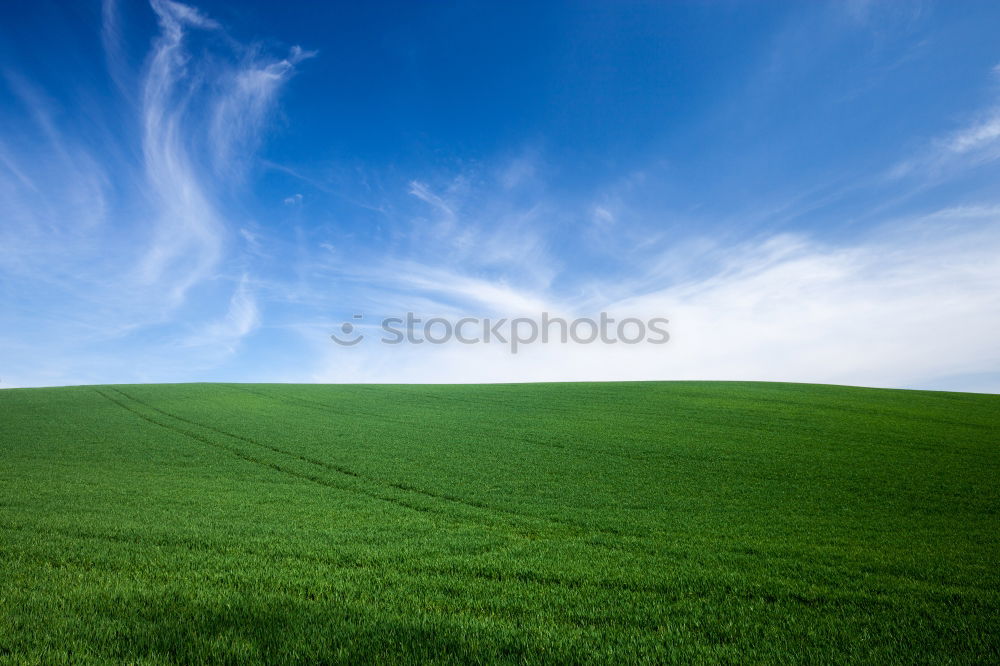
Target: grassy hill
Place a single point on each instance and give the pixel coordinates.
(585, 522)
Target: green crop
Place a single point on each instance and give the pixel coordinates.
(617, 522)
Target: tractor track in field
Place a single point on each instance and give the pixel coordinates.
(314, 461)
(552, 522)
(264, 463)
(328, 409)
(325, 465)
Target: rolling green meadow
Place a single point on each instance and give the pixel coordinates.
(592, 522)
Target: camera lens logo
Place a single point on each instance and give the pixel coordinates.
(347, 328)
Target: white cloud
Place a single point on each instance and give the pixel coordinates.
(972, 146)
(603, 217)
(241, 319)
(975, 137)
(179, 135)
(910, 306)
(424, 193)
(187, 240)
(248, 96)
(976, 143)
(481, 229)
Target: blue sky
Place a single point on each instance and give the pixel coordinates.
(204, 192)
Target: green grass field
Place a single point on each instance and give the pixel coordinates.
(634, 522)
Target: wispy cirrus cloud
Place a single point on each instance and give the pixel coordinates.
(973, 144)
(40, 222)
(195, 113)
(115, 222)
(239, 113)
(484, 227)
(976, 137)
(242, 318)
(199, 112)
(187, 240)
